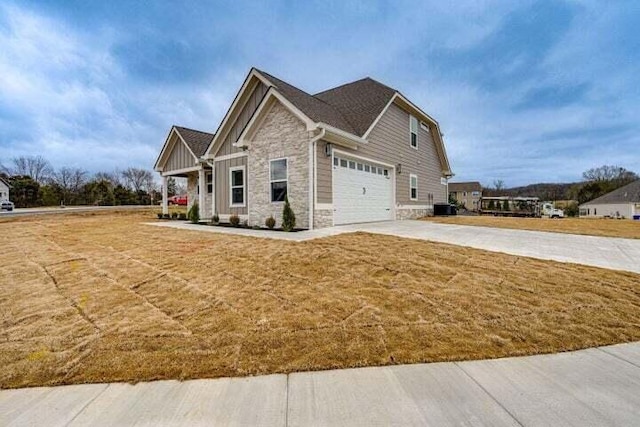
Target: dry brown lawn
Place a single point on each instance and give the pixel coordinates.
(94, 298)
(588, 226)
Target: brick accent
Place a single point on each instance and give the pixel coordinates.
(280, 135)
(322, 218)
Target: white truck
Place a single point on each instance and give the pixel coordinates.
(549, 210)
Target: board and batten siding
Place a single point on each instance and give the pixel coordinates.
(241, 121)
(324, 174)
(180, 156)
(222, 186)
(389, 142)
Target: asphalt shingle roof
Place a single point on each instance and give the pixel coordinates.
(197, 141)
(465, 186)
(352, 107)
(629, 193)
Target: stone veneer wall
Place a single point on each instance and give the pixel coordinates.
(280, 135)
(413, 213)
(192, 189)
(323, 218)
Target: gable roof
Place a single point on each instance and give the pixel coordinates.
(314, 107)
(629, 193)
(196, 140)
(359, 102)
(465, 186)
(5, 182)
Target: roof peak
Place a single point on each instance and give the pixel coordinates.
(193, 130)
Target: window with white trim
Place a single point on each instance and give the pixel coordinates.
(413, 131)
(278, 176)
(413, 187)
(209, 183)
(237, 186)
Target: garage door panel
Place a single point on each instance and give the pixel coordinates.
(359, 194)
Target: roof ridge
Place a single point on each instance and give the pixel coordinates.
(354, 82)
(194, 130)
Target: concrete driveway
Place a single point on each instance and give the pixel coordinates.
(594, 387)
(606, 252)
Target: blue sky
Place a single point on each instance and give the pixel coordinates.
(527, 91)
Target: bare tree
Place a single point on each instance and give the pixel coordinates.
(138, 179)
(498, 184)
(111, 177)
(609, 173)
(70, 181)
(37, 167)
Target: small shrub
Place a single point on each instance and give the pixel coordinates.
(270, 222)
(174, 215)
(182, 216)
(160, 216)
(216, 218)
(194, 213)
(288, 217)
(245, 223)
(234, 220)
(166, 216)
(256, 227)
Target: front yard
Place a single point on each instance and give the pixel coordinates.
(624, 228)
(101, 297)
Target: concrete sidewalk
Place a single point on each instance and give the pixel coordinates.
(594, 387)
(605, 252)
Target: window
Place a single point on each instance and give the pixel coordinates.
(379, 171)
(278, 175)
(209, 183)
(476, 194)
(352, 165)
(413, 186)
(413, 131)
(367, 168)
(386, 172)
(374, 169)
(360, 166)
(343, 163)
(237, 186)
(336, 161)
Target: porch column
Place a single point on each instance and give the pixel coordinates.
(213, 193)
(165, 195)
(202, 187)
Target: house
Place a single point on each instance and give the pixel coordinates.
(623, 202)
(4, 189)
(356, 153)
(467, 194)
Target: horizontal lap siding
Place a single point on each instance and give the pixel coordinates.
(180, 157)
(323, 174)
(222, 186)
(243, 118)
(389, 143)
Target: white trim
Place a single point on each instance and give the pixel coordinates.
(270, 96)
(230, 156)
(180, 171)
(382, 113)
(244, 187)
(165, 147)
(324, 206)
(341, 133)
(202, 190)
(278, 180)
(366, 159)
(411, 176)
(245, 85)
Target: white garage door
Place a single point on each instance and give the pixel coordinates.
(362, 192)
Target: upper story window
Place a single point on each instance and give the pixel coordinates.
(413, 186)
(237, 187)
(278, 175)
(413, 131)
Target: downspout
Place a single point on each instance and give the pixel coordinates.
(312, 157)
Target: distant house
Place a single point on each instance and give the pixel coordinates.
(466, 193)
(359, 152)
(4, 189)
(623, 202)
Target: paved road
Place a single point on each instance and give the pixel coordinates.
(68, 209)
(594, 387)
(606, 252)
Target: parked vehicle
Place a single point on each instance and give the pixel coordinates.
(6, 205)
(178, 200)
(549, 210)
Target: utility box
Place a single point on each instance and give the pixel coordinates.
(444, 209)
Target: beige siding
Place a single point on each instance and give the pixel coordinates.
(626, 210)
(180, 156)
(222, 186)
(243, 118)
(323, 175)
(389, 143)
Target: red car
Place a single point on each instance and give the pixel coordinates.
(178, 200)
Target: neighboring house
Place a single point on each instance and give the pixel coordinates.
(467, 194)
(4, 189)
(623, 202)
(355, 153)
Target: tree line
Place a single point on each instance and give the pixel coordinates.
(35, 182)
